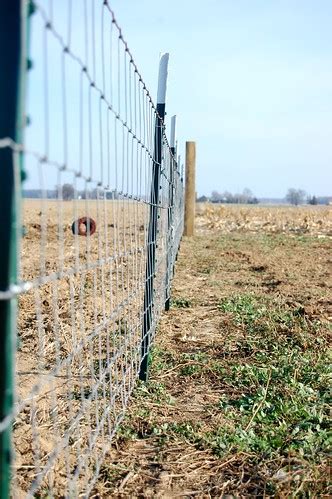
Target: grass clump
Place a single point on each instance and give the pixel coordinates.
(193, 364)
(181, 303)
(160, 360)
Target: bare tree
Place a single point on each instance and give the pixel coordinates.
(295, 196)
(246, 195)
(216, 197)
(68, 191)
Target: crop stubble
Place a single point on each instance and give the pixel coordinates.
(239, 365)
(262, 253)
(78, 336)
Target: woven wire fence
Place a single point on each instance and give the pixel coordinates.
(87, 288)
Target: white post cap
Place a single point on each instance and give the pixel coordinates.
(162, 78)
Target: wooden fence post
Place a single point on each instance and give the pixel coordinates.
(190, 191)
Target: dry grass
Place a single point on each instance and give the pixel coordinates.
(311, 220)
(79, 337)
(182, 434)
(237, 399)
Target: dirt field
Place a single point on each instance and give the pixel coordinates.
(237, 401)
(79, 338)
(237, 398)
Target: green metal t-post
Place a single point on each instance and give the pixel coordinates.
(148, 311)
(13, 24)
(169, 256)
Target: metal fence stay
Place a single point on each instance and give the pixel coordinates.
(90, 261)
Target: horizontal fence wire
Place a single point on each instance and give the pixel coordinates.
(89, 156)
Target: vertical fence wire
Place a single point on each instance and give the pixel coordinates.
(90, 154)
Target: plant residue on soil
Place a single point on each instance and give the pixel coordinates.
(237, 400)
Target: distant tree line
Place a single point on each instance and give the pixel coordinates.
(293, 196)
(299, 196)
(67, 193)
(319, 200)
(246, 197)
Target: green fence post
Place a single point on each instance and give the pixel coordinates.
(170, 239)
(13, 63)
(148, 309)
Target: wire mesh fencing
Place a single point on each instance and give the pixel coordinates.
(97, 249)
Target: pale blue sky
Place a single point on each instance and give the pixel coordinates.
(250, 81)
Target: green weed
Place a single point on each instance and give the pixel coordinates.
(194, 363)
(181, 303)
(279, 400)
(273, 375)
(154, 391)
(161, 360)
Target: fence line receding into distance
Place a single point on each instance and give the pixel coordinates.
(89, 263)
